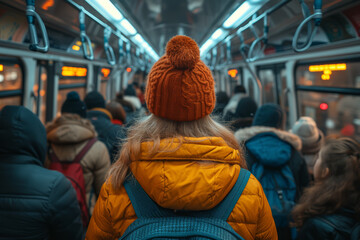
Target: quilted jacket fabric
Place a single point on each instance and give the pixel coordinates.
(195, 176)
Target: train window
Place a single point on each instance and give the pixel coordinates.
(267, 77)
(336, 74)
(73, 78)
(334, 113)
(11, 82)
(104, 79)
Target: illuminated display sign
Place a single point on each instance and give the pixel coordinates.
(73, 71)
(233, 72)
(1, 67)
(327, 69)
(105, 72)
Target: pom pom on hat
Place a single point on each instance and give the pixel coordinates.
(73, 104)
(182, 52)
(180, 86)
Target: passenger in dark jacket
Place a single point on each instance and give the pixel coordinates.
(273, 147)
(35, 203)
(108, 133)
(330, 209)
(244, 114)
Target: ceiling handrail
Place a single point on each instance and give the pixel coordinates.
(110, 56)
(85, 40)
(258, 40)
(31, 14)
(316, 16)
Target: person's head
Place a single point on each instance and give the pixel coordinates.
(130, 91)
(337, 181)
(22, 133)
(74, 105)
(180, 96)
(311, 137)
(246, 108)
(116, 110)
(239, 89)
(269, 115)
(222, 98)
(94, 99)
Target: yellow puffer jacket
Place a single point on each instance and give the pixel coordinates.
(196, 176)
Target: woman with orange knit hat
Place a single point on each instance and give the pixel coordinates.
(182, 163)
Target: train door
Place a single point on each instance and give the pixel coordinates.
(273, 79)
(39, 91)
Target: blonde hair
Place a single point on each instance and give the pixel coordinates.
(154, 129)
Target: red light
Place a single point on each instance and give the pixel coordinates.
(324, 106)
(128, 69)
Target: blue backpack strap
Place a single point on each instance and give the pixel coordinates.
(143, 205)
(226, 206)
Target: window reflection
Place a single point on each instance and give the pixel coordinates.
(334, 113)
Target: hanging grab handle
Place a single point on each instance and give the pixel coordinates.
(228, 51)
(258, 40)
(85, 40)
(316, 16)
(108, 49)
(244, 48)
(128, 54)
(122, 58)
(34, 42)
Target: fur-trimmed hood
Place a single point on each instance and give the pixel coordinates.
(69, 128)
(245, 134)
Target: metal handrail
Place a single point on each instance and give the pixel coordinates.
(110, 55)
(228, 52)
(85, 40)
(31, 14)
(316, 16)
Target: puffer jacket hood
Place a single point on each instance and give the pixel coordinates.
(195, 176)
(270, 146)
(243, 135)
(70, 128)
(22, 133)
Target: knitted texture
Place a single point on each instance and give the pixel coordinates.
(180, 86)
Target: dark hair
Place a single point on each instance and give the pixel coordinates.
(239, 89)
(340, 188)
(222, 97)
(116, 110)
(128, 107)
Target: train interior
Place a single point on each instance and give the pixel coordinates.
(104, 45)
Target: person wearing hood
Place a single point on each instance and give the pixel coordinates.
(110, 134)
(275, 150)
(68, 134)
(182, 159)
(312, 139)
(244, 114)
(35, 203)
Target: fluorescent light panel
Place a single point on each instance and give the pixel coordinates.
(107, 8)
(240, 12)
(217, 34)
(128, 27)
(206, 45)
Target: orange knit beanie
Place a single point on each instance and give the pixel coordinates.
(180, 86)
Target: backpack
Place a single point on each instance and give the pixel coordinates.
(155, 222)
(354, 234)
(73, 171)
(278, 183)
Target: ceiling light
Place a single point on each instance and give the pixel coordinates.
(217, 34)
(240, 12)
(128, 27)
(139, 38)
(206, 45)
(106, 8)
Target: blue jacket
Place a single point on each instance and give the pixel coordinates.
(35, 203)
(110, 134)
(337, 226)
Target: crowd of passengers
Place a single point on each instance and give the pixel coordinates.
(186, 148)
